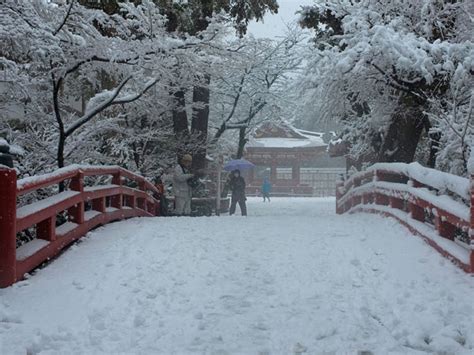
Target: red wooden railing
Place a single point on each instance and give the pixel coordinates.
(86, 207)
(437, 206)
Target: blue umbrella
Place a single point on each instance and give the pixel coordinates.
(238, 164)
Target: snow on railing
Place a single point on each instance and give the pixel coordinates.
(432, 204)
(81, 208)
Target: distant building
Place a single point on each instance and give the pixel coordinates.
(296, 161)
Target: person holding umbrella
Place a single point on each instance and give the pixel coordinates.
(238, 164)
(237, 186)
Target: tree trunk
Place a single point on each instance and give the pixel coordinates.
(60, 157)
(434, 148)
(180, 121)
(200, 120)
(404, 132)
(242, 142)
(60, 152)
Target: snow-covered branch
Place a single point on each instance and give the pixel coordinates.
(107, 100)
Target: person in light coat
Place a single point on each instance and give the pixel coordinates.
(181, 188)
(266, 189)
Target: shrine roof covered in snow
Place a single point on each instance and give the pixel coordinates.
(282, 135)
(279, 151)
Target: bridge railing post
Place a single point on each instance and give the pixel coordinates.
(416, 212)
(373, 193)
(7, 226)
(380, 198)
(76, 213)
(142, 202)
(116, 201)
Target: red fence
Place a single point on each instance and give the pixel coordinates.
(82, 208)
(434, 205)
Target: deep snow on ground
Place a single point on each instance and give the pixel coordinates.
(292, 277)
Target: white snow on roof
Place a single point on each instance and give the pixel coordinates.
(310, 133)
(311, 139)
(281, 142)
(286, 142)
(307, 139)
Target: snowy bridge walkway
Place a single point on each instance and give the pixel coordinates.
(292, 277)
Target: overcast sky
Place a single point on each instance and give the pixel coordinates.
(274, 25)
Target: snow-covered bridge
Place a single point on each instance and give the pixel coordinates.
(292, 277)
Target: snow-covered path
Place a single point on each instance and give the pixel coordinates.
(292, 277)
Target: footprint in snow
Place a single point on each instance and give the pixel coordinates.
(326, 334)
(151, 295)
(198, 315)
(268, 280)
(220, 352)
(355, 262)
(196, 341)
(10, 318)
(22, 283)
(299, 349)
(139, 321)
(261, 326)
(78, 285)
(96, 321)
(245, 304)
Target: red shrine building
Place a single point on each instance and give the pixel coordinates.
(296, 161)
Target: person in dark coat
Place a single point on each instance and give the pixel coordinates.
(6, 158)
(237, 186)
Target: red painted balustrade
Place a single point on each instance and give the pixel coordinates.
(80, 207)
(437, 206)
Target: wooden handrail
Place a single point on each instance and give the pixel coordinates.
(421, 175)
(34, 183)
(105, 203)
(432, 204)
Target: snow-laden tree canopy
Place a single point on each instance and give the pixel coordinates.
(394, 72)
(250, 85)
(70, 72)
(116, 84)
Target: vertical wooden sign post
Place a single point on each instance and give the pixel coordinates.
(220, 161)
